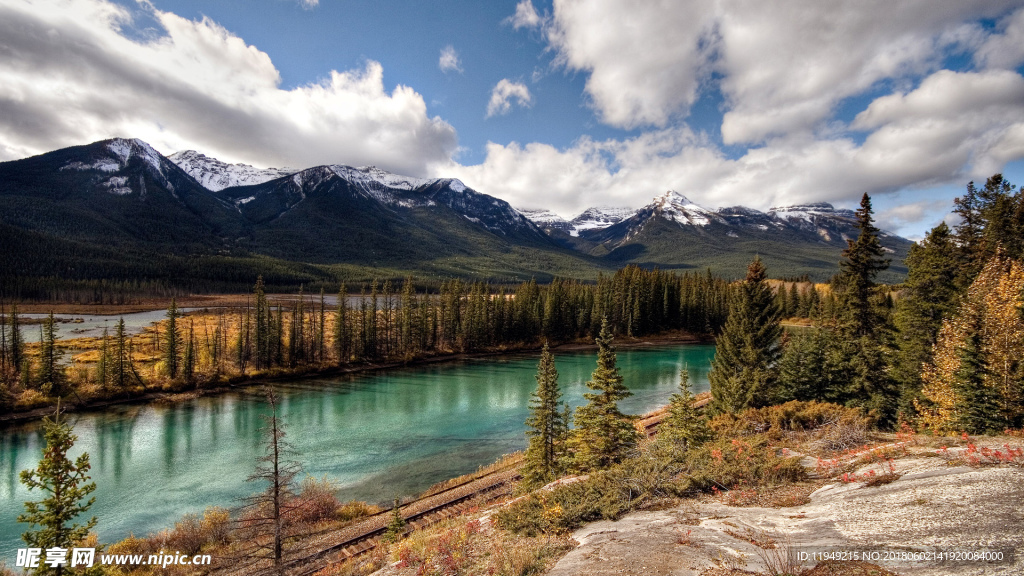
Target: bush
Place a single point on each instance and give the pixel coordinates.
(355, 509)
(317, 500)
(747, 461)
(794, 416)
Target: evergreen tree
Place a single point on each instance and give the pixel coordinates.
(929, 295)
(120, 365)
(103, 364)
(977, 357)
(978, 410)
(262, 323)
(744, 371)
(602, 434)
(65, 484)
(396, 527)
(172, 341)
(342, 330)
(15, 342)
(684, 428)
(862, 261)
(51, 377)
(188, 356)
(544, 456)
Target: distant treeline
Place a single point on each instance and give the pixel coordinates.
(391, 321)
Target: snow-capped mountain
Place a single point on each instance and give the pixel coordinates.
(546, 219)
(599, 217)
(678, 208)
(128, 202)
(216, 175)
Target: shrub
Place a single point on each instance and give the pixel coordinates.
(355, 509)
(216, 524)
(750, 461)
(794, 416)
(317, 500)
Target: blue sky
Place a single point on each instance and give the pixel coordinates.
(555, 104)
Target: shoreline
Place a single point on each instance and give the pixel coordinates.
(241, 382)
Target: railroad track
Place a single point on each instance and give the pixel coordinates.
(363, 536)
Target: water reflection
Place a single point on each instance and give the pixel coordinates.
(377, 435)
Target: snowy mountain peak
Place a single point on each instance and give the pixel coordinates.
(599, 217)
(678, 208)
(547, 219)
(808, 211)
(216, 175)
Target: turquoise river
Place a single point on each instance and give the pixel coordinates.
(378, 434)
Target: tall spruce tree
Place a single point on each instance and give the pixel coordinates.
(172, 341)
(262, 321)
(51, 377)
(862, 260)
(929, 294)
(547, 429)
(864, 321)
(603, 435)
(65, 485)
(744, 373)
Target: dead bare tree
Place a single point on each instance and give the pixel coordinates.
(268, 509)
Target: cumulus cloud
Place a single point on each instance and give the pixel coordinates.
(913, 213)
(784, 66)
(525, 17)
(1004, 50)
(954, 127)
(69, 76)
(502, 94)
(449, 61)
(644, 58)
(309, 4)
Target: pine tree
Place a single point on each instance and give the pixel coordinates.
(188, 356)
(602, 434)
(684, 428)
(545, 453)
(119, 369)
(15, 343)
(744, 372)
(172, 341)
(862, 261)
(977, 356)
(51, 377)
(928, 296)
(66, 486)
(342, 330)
(262, 324)
(103, 364)
(396, 527)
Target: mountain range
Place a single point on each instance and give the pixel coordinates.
(119, 209)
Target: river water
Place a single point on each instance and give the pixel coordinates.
(378, 435)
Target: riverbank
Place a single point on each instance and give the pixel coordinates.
(241, 382)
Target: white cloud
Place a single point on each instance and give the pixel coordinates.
(449, 61)
(1004, 50)
(784, 66)
(68, 76)
(644, 58)
(954, 127)
(503, 92)
(309, 4)
(923, 211)
(525, 17)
